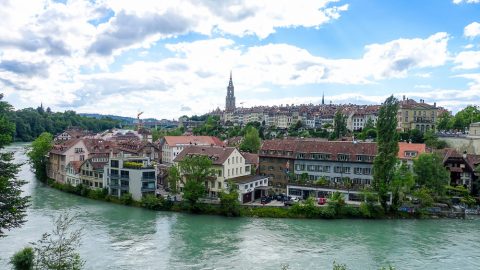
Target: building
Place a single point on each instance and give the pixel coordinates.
(171, 146)
(62, 154)
(230, 99)
(91, 171)
(461, 168)
(72, 133)
(407, 152)
(130, 174)
(416, 115)
(474, 130)
(251, 188)
(72, 172)
(227, 162)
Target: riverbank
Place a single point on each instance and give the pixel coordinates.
(306, 210)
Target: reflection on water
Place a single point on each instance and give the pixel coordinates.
(119, 237)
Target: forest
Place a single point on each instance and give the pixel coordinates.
(30, 122)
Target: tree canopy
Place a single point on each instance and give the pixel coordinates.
(430, 173)
(251, 141)
(387, 147)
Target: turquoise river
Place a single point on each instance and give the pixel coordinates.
(119, 237)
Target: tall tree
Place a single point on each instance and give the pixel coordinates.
(12, 204)
(339, 125)
(251, 141)
(37, 153)
(173, 178)
(444, 121)
(387, 148)
(195, 170)
(430, 173)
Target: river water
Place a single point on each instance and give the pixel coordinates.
(119, 237)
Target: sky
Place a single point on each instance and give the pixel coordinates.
(173, 57)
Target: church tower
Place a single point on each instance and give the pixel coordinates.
(230, 100)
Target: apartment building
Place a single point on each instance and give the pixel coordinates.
(130, 174)
(416, 115)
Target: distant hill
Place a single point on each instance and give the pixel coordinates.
(123, 119)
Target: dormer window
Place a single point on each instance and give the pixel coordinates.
(410, 153)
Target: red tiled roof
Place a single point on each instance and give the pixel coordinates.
(193, 140)
(250, 158)
(308, 146)
(217, 154)
(419, 148)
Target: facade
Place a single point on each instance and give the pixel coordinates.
(171, 146)
(62, 154)
(72, 172)
(228, 163)
(91, 172)
(251, 188)
(230, 99)
(416, 115)
(73, 133)
(474, 130)
(461, 168)
(130, 174)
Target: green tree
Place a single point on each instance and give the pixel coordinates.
(430, 173)
(23, 259)
(465, 117)
(387, 148)
(339, 125)
(195, 170)
(403, 182)
(12, 204)
(37, 154)
(251, 141)
(173, 178)
(431, 140)
(229, 204)
(445, 121)
(58, 249)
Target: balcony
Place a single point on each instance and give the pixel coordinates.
(114, 176)
(147, 179)
(148, 189)
(114, 185)
(125, 177)
(124, 187)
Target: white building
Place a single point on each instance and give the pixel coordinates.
(251, 188)
(130, 174)
(228, 163)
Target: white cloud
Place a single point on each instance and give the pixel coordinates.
(467, 60)
(466, 1)
(472, 30)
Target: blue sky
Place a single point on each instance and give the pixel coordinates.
(170, 58)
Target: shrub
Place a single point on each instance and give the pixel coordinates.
(126, 199)
(23, 259)
(152, 202)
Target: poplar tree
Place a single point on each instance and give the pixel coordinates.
(387, 148)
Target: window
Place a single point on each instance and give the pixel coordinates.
(228, 172)
(326, 169)
(219, 172)
(236, 171)
(251, 185)
(236, 160)
(124, 174)
(247, 169)
(301, 155)
(100, 185)
(82, 157)
(357, 170)
(337, 169)
(245, 187)
(410, 153)
(219, 185)
(343, 157)
(241, 168)
(366, 171)
(114, 163)
(346, 170)
(148, 175)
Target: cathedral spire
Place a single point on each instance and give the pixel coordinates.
(230, 99)
(323, 98)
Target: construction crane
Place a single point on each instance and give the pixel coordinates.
(139, 122)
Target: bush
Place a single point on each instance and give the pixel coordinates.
(23, 259)
(96, 194)
(152, 202)
(126, 199)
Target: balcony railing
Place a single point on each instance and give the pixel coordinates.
(148, 189)
(124, 187)
(125, 177)
(114, 176)
(146, 179)
(116, 186)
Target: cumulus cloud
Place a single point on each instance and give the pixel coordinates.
(472, 30)
(467, 60)
(25, 68)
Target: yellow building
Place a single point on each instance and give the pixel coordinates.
(416, 115)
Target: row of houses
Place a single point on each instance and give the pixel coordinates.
(295, 166)
(411, 115)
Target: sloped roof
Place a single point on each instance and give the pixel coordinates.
(217, 154)
(193, 140)
(250, 158)
(420, 148)
(76, 165)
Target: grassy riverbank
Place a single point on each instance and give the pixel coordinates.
(308, 209)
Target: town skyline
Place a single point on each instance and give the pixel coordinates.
(85, 56)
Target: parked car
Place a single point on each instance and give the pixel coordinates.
(265, 200)
(289, 203)
(322, 201)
